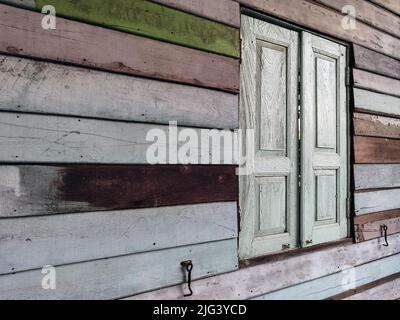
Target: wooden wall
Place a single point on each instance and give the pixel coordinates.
(76, 104)
(375, 126)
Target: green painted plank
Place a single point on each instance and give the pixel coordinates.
(152, 20)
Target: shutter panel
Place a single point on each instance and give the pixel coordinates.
(269, 87)
(324, 145)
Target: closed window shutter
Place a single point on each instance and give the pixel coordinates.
(269, 87)
(324, 145)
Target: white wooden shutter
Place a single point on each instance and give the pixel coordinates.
(269, 197)
(324, 145)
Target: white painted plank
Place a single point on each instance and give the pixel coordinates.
(386, 291)
(376, 102)
(376, 201)
(30, 243)
(124, 275)
(374, 176)
(257, 280)
(52, 139)
(35, 86)
(334, 284)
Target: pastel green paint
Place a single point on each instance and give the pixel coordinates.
(152, 20)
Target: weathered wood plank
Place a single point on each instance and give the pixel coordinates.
(376, 176)
(376, 62)
(376, 126)
(372, 217)
(321, 19)
(39, 190)
(392, 5)
(389, 290)
(373, 229)
(369, 13)
(34, 86)
(124, 275)
(256, 280)
(52, 139)
(376, 150)
(376, 103)
(374, 201)
(375, 82)
(334, 284)
(225, 11)
(135, 55)
(33, 242)
(149, 19)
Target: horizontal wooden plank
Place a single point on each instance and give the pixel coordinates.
(324, 20)
(376, 102)
(388, 290)
(136, 55)
(375, 201)
(256, 280)
(149, 19)
(369, 13)
(35, 86)
(376, 150)
(392, 5)
(376, 176)
(225, 11)
(377, 216)
(370, 81)
(33, 242)
(376, 62)
(373, 229)
(334, 284)
(39, 190)
(376, 126)
(124, 275)
(53, 139)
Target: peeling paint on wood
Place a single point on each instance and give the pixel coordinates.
(113, 50)
(376, 126)
(34, 86)
(41, 190)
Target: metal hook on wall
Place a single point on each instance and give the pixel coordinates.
(188, 265)
(384, 229)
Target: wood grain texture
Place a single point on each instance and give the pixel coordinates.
(254, 281)
(370, 81)
(53, 139)
(33, 242)
(225, 11)
(41, 190)
(376, 176)
(369, 13)
(22, 34)
(375, 201)
(33, 86)
(376, 216)
(376, 62)
(376, 150)
(376, 103)
(347, 295)
(376, 126)
(268, 105)
(373, 229)
(118, 277)
(334, 284)
(312, 15)
(392, 5)
(153, 20)
(384, 291)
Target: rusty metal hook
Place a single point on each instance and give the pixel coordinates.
(188, 265)
(384, 228)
